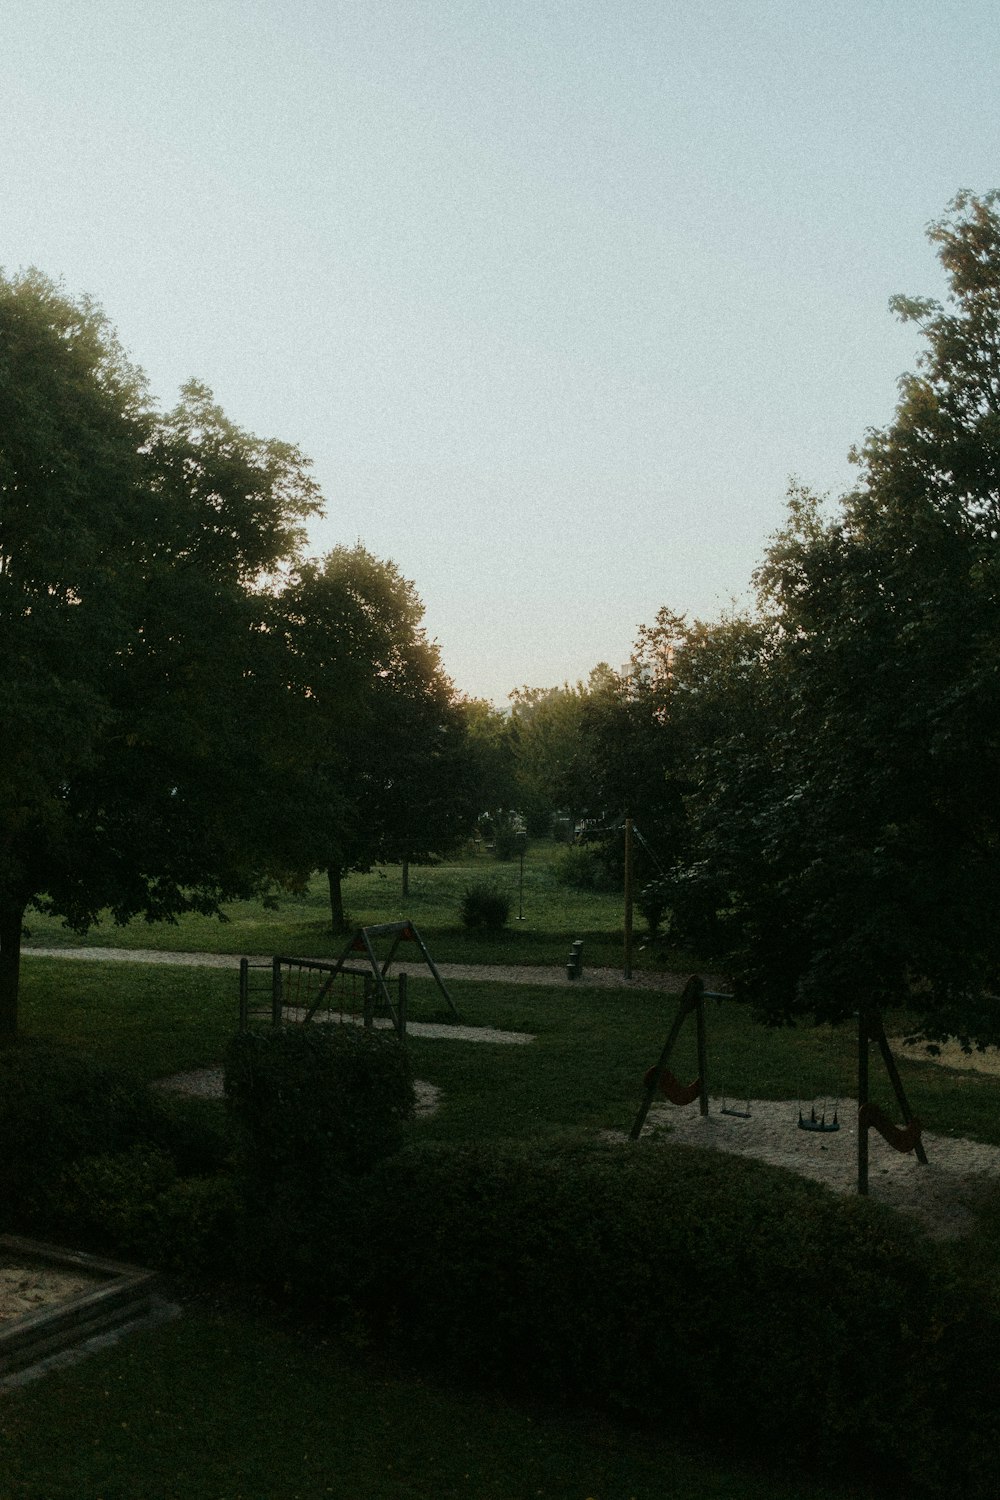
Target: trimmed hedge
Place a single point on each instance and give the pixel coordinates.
(680, 1284)
(312, 1100)
(317, 1106)
(58, 1105)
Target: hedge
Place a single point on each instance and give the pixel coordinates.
(677, 1284)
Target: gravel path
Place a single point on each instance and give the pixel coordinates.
(669, 984)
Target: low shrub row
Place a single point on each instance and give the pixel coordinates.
(691, 1287)
(669, 1284)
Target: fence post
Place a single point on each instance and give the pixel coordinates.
(244, 993)
(275, 991)
(401, 1006)
(368, 1001)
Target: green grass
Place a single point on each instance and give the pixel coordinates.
(583, 1072)
(554, 916)
(224, 1404)
(216, 1407)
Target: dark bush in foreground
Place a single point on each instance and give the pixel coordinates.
(484, 905)
(696, 1287)
(57, 1106)
(315, 1100)
(317, 1107)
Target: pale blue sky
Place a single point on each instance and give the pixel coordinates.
(555, 295)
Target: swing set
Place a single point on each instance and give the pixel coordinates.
(303, 989)
(659, 1079)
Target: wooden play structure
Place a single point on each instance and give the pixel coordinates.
(659, 1079)
(306, 989)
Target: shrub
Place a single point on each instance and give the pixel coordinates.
(195, 1133)
(484, 905)
(134, 1204)
(652, 903)
(583, 868)
(683, 1284)
(112, 1197)
(317, 1106)
(57, 1106)
(311, 1100)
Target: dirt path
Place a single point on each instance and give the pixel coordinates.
(669, 984)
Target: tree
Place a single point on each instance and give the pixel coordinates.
(383, 769)
(134, 551)
(853, 828)
(545, 728)
(492, 771)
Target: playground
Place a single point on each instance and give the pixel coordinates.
(576, 1080)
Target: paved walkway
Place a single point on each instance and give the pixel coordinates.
(670, 984)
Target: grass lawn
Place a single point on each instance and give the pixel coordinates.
(554, 915)
(227, 1404)
(220, 1407)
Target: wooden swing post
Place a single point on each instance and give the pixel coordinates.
(660, 1077)
(902, 1138)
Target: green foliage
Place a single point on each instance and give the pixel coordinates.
(132, 550)
(545, 726)
(134, 1204)
(381, 767)
(584, 867)
(317, 1101)
(484, 906)
(318, 1106)
(691, 1286)
(57, 1106)
(193, 1132)
(841, 751)
(652, 905)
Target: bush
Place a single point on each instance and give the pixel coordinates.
(652, 904)
(311, 1100)
(195, 1133)
(683, 1284)
(484, 905)
(583, 868)
(502, 828)
(134, 1204)
(317, 1106)
(56, 1107)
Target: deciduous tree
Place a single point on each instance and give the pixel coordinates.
(134, 551)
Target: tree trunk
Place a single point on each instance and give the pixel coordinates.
(11, 923)
(337, 919)
(406, 877)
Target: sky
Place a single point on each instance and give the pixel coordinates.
(557, 297)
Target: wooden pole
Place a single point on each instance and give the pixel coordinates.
(401, 1007)
(702, 1051)
(691, 999)
(628, 898)
(897, 1084)
(862, 1101)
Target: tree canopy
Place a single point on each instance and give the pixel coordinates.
(381, 741)
(134, 553)
(845, 743)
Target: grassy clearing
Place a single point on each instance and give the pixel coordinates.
(215, 1407)
(582, 1073)
(228, 1405)
(554, 916)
